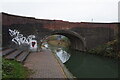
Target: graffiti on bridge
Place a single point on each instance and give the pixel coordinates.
(20, 39)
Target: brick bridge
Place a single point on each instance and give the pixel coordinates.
(82, 35)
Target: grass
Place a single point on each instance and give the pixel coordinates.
(58, 43)
(13, 69)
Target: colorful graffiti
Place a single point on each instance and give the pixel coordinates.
(20, 39)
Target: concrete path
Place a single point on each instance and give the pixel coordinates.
(45, 65)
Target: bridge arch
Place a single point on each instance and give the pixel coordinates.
(76, 40)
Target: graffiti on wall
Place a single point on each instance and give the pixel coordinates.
(20, 39)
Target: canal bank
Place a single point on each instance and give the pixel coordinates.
(68, 74)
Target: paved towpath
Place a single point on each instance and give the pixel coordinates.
(45, 65)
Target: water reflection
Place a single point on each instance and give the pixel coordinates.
(44, 45)
(60, 52)
(63, 55)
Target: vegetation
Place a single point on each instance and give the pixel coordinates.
(13, 69)
(61, 43)
(108, 50)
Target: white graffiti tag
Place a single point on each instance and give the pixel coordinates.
(20, 39)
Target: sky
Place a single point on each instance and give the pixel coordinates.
(67, 10)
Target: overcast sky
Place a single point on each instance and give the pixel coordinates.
(67, 10)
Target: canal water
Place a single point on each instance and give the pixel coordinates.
(84, 65)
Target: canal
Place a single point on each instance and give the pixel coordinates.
(83, 64)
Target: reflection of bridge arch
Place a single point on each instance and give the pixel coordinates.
(77, 41)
